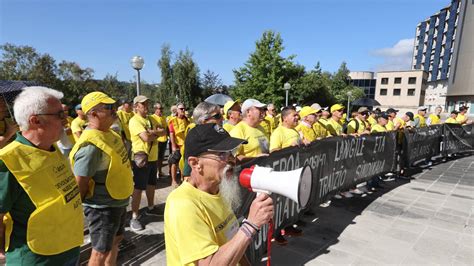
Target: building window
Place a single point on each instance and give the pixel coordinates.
(384, 81)
(398, 80)
(411, 92)
(396, 92)
(412, 80)
(383, 91)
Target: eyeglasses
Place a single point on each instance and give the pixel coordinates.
(222, 156)
(109, 106)
(182, 109)
(60, 114)
(215, 116)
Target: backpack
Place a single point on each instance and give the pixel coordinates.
(344, 127)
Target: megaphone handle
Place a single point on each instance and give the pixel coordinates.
(269, 241)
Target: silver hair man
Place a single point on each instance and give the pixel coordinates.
(33, 100)
(203, 112)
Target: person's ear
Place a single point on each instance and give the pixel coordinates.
(194, 163)
(34, 120)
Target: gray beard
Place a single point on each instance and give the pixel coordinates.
(229, 189)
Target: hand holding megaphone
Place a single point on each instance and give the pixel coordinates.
(261, 210)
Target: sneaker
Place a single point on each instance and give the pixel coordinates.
(280, 240)
(153, 212)
(356, 191)
(337, 196)
(347, 194)
(325, 204)
(388, 179)
(135, 225)
(292, 231)
(363, 189)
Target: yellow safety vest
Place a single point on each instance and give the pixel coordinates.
(119, 178)
(179, 125)
(124, 118)
(422, 120)
(57, 224)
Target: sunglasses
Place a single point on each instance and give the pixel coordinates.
(222, 156)
(183, 109)
(61, 115)
(109, 106)
(215, 116)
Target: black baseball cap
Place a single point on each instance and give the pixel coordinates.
(454, 112)
(410, 115)
(383, 115)
(462, 108)
(391, 110)
(209, 137)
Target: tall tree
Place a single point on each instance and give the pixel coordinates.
(17, 62)
(263, 75)
(76, 81)
(211, 84)
(167, 89)
(186, 77)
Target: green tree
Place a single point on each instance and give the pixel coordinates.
(211, 84)
(166, 89)
(313, 88)
(17, 62)
(263, 75)
(186, 78)
(76, 81)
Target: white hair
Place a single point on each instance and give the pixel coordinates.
(32, 100)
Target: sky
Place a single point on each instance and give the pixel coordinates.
(369, 35)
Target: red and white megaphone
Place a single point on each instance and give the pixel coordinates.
(296, 185)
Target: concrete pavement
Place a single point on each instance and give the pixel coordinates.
(428, 220)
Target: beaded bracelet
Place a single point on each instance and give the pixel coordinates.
(254, 226)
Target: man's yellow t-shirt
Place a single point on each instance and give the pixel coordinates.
(78, 125)
(307, 131)
(320, 130)
(267, 128)
(399, 121)
(257, 140)
(378, 128)
(355, 126)
(284, 137)
(161, 122)
(434, 119)
(124, 118)
(273, 120)
(390, 126)
(196, 224)
(334, 127)
(228, 127)
(138, 125)
(451, 120)
(460, 118)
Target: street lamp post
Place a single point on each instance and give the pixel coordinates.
(137, 63)
(287, 88)
(349, 94)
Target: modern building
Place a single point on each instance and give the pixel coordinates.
(364, 80)
(401, 89)
(461, 81)
(439, 50)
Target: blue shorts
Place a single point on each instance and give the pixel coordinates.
(145, 176)
(104, 225)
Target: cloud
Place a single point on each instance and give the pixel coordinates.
(397, 57)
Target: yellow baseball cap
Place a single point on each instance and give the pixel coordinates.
(305, 111)
(94, 98)
(336, 107)
(230, 104)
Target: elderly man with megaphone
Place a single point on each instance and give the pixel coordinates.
(200, 226)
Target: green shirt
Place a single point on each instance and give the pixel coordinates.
(92, 162)
(13, 199)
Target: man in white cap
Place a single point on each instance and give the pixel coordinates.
(419, 119)
(249, 129)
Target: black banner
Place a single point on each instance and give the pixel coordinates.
(458, 139)
(421, 143)
(337, 163)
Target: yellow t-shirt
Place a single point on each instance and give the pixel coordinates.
(257, 140)
(320, 130)
(372, 121)
(434, 119)
(160, 121)
(460, 118)
(323, 121)
(451, 120)
(334, 127)
(196, 224)
(390, 126)
(378, 128)
(400, 121)
(78, 125)
(124, 118)
(355, 124)
(284, 137)
(273, 120)
(267, 128)
(306, 131)
(138, 125)
(228, 127)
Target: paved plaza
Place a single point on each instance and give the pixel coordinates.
(426, 220)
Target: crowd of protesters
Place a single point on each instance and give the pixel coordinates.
(111, 152)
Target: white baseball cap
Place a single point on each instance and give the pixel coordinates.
(251, 103)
